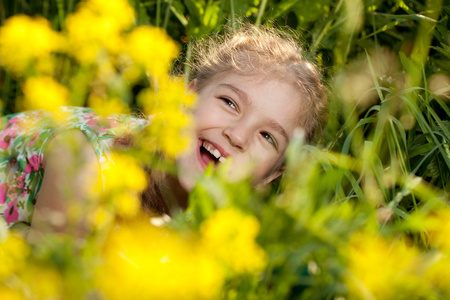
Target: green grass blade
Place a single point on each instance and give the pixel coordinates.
(262, 7)
(167, 14)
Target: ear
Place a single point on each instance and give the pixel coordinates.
(192, 86)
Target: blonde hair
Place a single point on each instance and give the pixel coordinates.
(254, 50)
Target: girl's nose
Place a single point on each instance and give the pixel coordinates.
(238, 136)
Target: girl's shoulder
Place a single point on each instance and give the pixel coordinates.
(40, 126)
(103, 131)
(86, 119)
(24, 138)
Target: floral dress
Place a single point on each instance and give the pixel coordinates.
(23, 140)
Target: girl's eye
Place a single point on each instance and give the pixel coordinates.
(269, 138)
(229, 102)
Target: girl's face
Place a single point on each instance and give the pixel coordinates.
(248, 119)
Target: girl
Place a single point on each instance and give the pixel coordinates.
(255, 89)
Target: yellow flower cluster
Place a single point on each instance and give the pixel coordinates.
(99, 28)
(98, 34)
(28, 41)
(44, 92)
(106, 107)
(157, 263)
(169, 131)
(146, 262)
(152, 48)
(379, 268)
(123, 180)
(21, 276)
(13, 251)
(111, 54)
(437, 224)
(230, 235)
(97, 24)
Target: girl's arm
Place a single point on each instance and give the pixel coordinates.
(67, 193)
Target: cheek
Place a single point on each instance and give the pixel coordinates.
(259, 163)
(208, 116)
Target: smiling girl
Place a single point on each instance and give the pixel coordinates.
(255, 88)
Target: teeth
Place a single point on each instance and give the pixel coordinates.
(214, 152)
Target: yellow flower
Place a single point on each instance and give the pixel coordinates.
(8, 293)
(230, 235)
(170, 121)
(118, 10)
(152, 48)
(107, 107)
(13, 251)
(123, 180)
(127, 204)
(146, 262)
(382, 269)
(98, 24)
(44, 281)
(437, 224)
(119, 165)
(24, 40)
(44, 93)
(438, 275)
(100, 218)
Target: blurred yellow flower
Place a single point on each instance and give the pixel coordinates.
(120, 11)
(146, 262)
(152, 48)
(25, 39)
(13, 253)
(8, 293)
(43, 281)
(107, 107)
(169, 130)
(44, 93)
(382, 269)
(123, 180)
(100, 218)
(121, 164)
(437, 224)
(438, 274)
(98, 24)
(127, 204)
(230, 235)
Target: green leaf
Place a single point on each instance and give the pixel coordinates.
(415, 17)
(283, 7)
(195, 8)
(177, 9)
(311, 11)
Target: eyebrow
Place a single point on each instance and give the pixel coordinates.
(277, 127)
(244, 97)
(240, 93)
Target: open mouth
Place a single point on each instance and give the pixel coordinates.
(210, 154)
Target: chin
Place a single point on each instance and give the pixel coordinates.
(186, 183)
(187, 173)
